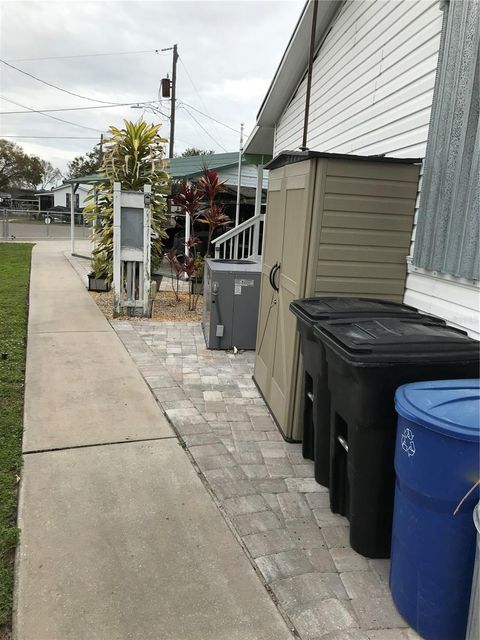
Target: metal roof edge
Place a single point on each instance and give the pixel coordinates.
(94, 177)
(291, 157)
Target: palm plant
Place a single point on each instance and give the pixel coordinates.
(133, 156)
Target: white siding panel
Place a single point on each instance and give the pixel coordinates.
(249, 175)
(372, 81)
(458, 302)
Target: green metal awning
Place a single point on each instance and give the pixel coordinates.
(92, 178)
(194, 165)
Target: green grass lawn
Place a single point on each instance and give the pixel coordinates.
(14, 282)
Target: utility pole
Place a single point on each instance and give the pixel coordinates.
(169, 90)
(172, 107)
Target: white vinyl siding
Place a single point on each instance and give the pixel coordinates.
(454, 299)
(249, 176)
(372, 90)
(372, 82)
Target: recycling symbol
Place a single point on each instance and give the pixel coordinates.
(408, 445)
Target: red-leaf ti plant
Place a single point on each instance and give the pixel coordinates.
(177, 267)
(189, 198)
(215, 218)
(191, 267)
(210, 185)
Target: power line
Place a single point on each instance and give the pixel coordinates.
(211, 118)
(75, 124)
(202, 127)
(54, 86)
(197, 92)
(195, 87)
(100, 106)
(88, 55)
(153, 109)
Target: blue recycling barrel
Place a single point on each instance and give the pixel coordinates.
(436, 464)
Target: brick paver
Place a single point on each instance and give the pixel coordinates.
(264, 486)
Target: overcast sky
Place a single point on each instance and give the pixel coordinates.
(229, 51)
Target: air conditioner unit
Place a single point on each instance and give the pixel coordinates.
(230, 303)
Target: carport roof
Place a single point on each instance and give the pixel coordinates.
(92, 178)
(194, 165)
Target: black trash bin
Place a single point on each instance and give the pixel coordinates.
(315, 418)
(367, 360)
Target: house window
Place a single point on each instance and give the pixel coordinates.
(68, 200)
(448, 221)
(77, 201)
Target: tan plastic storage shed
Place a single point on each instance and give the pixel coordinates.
(335, 225)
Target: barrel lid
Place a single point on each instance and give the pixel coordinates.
(451, 407)
(324, 308)
(391, 340)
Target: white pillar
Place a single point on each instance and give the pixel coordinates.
(147, 225)
(117, 284)
(187, 232)
(258, 210)
(72, 219)
(239, 179)
(259, 190)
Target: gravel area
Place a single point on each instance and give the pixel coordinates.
(165, 307)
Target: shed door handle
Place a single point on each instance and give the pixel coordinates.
(271, 274)
(275, 270)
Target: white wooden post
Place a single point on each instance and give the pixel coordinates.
(239, 178)
(117, 283)
(258, 209)
(147, 194)
(187, 236)
(72, 219)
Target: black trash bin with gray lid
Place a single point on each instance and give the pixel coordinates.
(367, 360)
(315, 417)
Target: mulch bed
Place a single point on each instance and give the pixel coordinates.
(165, 307)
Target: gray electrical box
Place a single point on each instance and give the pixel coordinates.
(230, 303)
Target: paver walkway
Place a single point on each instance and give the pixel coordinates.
(264, 486)
(120, 538)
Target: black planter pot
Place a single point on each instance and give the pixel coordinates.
(157, 277)
(97, 283)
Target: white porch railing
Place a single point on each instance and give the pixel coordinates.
(242, 242)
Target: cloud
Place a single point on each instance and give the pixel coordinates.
(229, 51)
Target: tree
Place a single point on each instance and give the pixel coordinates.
(195, 151)
(85, 165)
(17, 168)
(51, 176)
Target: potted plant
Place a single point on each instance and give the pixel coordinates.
(98, 279)
(155, 264)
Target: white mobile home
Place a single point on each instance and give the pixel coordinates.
(63, 193)
(372, 89)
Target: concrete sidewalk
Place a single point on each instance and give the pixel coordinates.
(120, 539)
